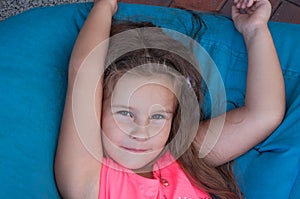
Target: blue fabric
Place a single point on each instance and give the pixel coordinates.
(34, 51)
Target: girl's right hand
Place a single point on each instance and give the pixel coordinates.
(112, 3)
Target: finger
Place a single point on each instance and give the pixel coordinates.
(240, 4)
(245, 3)
(249, 3)
(237, 3)
(250, 10)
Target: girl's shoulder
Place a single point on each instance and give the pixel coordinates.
(172, 174)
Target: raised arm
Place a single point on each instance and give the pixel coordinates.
(76, 169)
(264, 106)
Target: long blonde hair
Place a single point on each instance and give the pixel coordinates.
(217, 181)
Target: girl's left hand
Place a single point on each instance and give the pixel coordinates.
(112, 3)
(250, 15)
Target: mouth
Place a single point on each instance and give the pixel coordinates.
(134, 150)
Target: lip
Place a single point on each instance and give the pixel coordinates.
(134, 150)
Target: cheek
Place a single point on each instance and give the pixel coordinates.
(167, 128)
(163, 135)
(110, 129)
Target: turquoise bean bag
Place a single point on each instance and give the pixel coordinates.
(35, 48)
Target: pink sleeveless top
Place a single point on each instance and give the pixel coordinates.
(117, 182)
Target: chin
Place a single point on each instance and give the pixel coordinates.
(137, 162)
(130, 160)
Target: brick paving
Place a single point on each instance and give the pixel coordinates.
(200, 5)
(288, 11)
(150, 2)
(282, 10)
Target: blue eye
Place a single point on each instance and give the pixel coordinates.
(158, 117)
(125, 113)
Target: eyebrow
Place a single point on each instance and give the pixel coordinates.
(122, 106)
(131, 108)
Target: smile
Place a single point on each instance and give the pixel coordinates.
(133, 150)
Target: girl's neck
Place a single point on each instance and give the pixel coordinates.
(146, 171)
(146, 175)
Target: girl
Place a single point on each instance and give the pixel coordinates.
(148, 116)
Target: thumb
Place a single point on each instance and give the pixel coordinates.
(235, 12)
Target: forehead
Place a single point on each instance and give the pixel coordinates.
(145, 91)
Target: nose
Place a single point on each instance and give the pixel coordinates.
(140, 133)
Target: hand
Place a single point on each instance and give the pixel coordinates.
(112, 3)
(250, 15)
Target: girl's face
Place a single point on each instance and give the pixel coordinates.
(137, 119)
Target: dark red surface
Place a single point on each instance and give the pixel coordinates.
(283, 10)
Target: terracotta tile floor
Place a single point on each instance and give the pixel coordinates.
(283, 10)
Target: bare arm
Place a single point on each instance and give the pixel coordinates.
(76, 169)
(265, 94)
